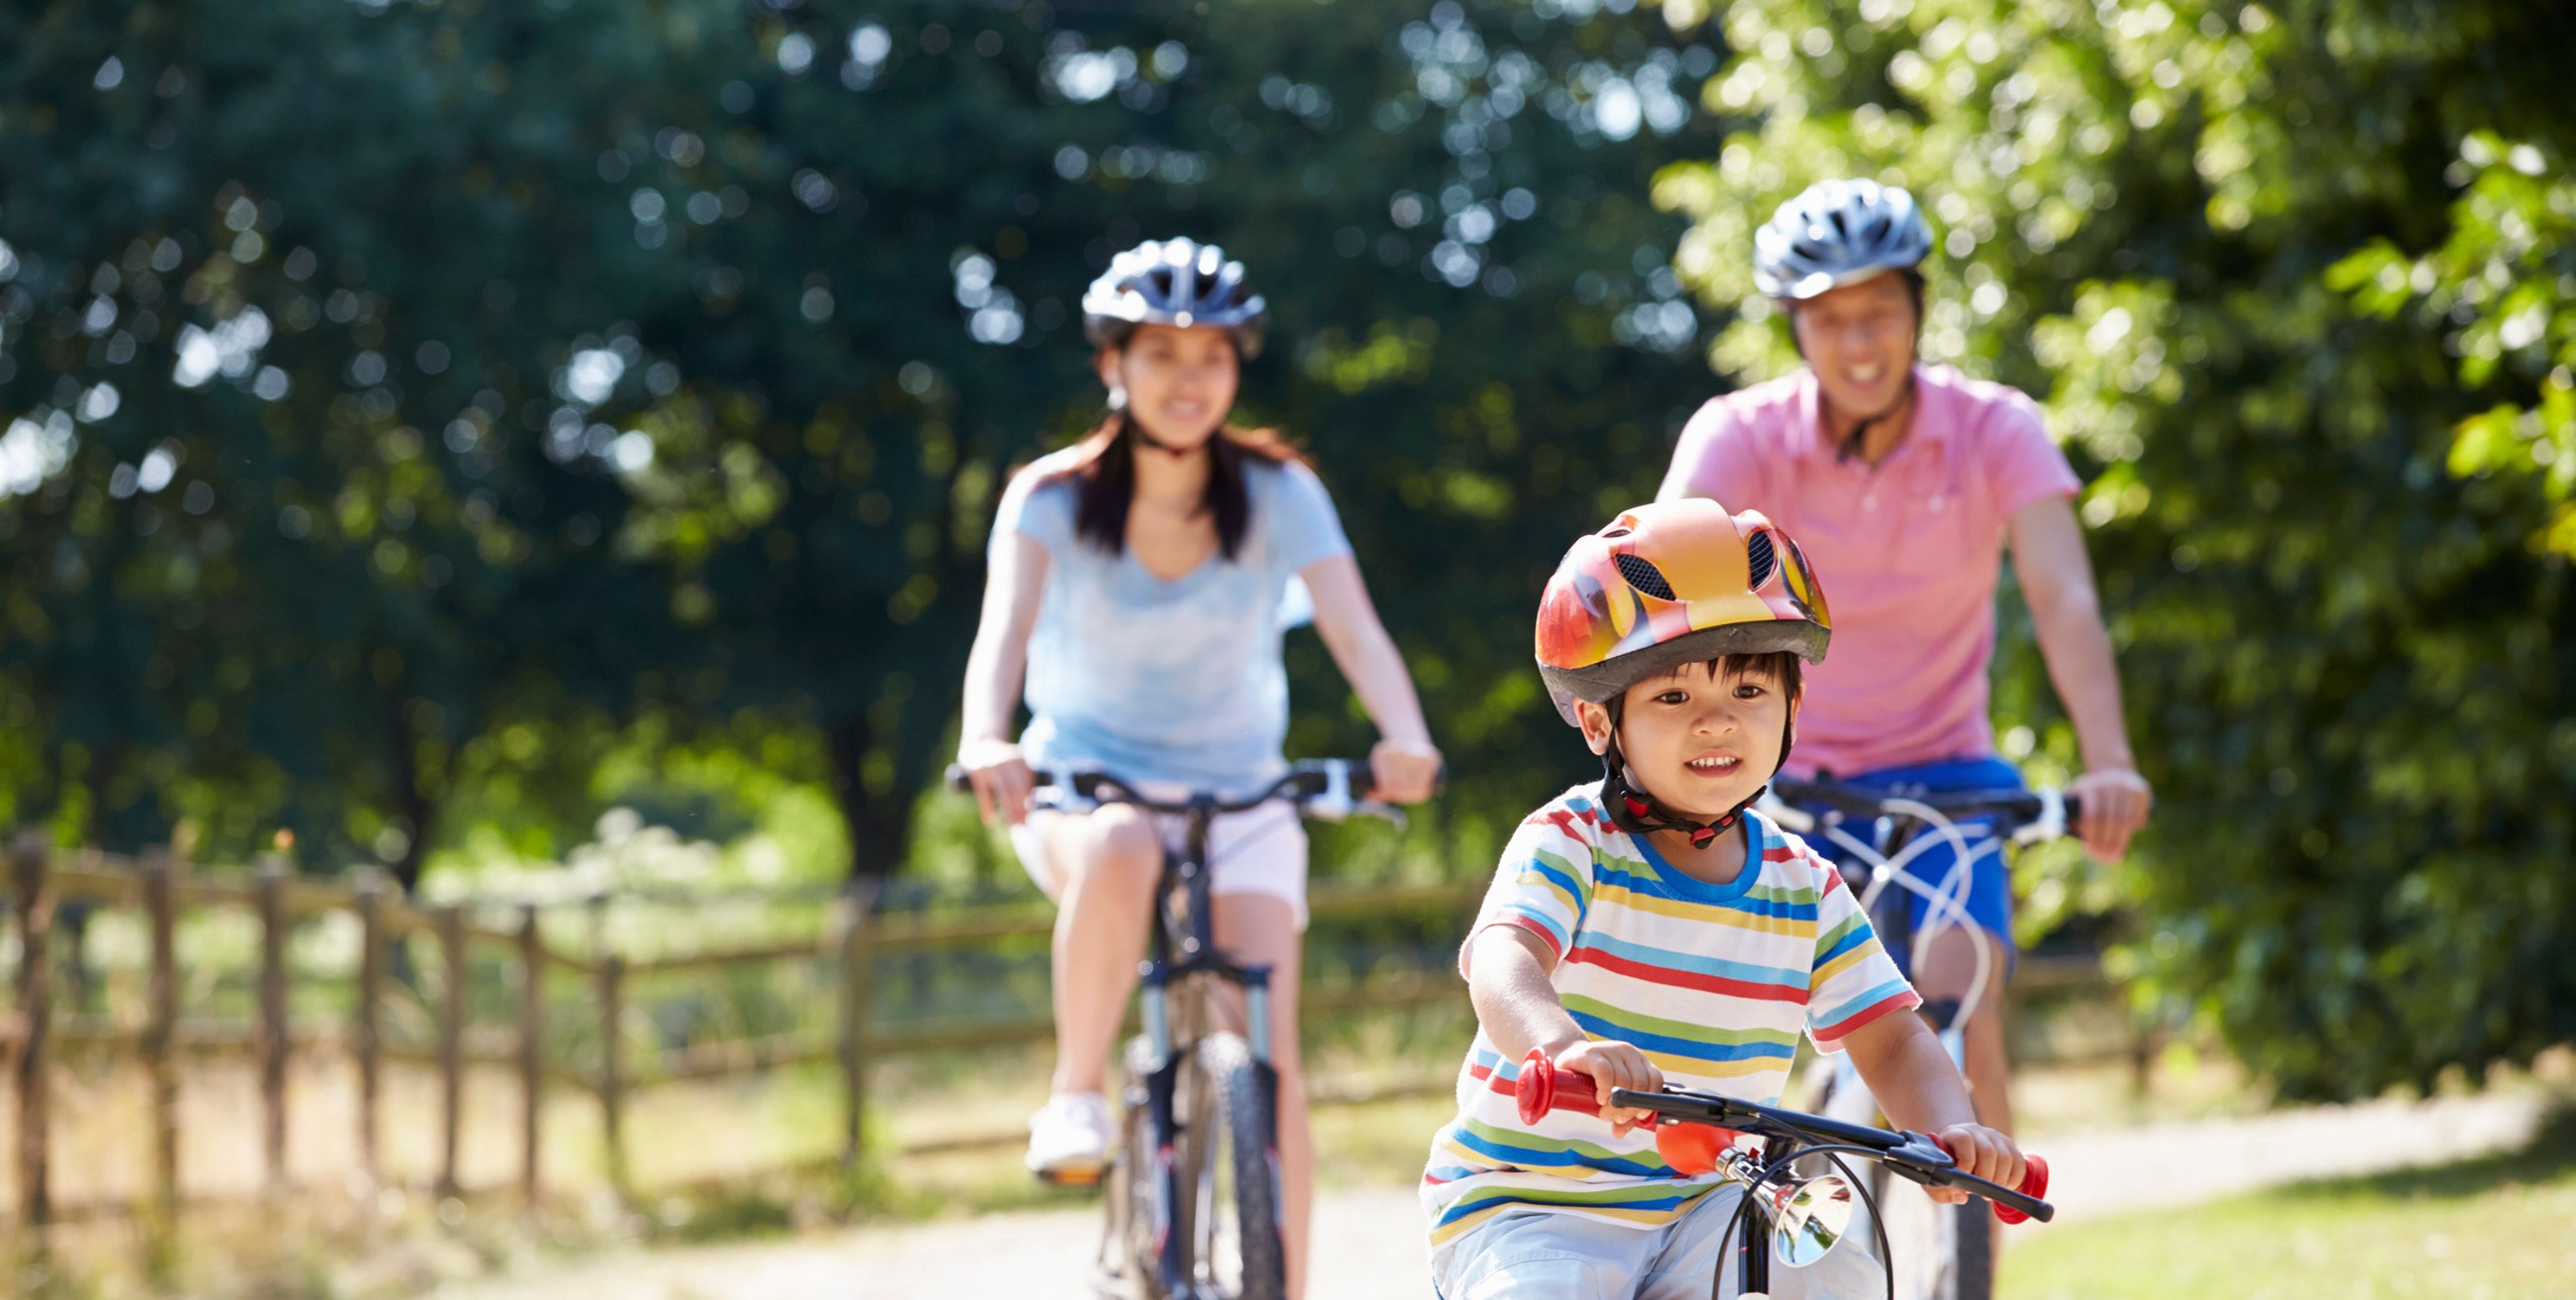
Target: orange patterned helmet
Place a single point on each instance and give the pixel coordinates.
(1668, 584)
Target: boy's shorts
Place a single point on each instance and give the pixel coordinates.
(1936, 862)
(1538, 1255)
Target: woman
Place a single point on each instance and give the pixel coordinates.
(1138, 580)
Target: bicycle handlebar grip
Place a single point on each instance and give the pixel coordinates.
(1688, 1148)
(1542, 1088)
(957, 780)
(2034, 1184)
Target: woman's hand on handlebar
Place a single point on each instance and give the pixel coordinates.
(1613, 1065)
(1980, 1152)
(1404, 771)
(1001, 778)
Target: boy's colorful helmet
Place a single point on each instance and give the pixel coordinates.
(1668, 584)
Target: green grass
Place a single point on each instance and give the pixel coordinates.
(2502, 1227)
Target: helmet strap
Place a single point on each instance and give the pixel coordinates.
(1857, 441)
(1638, 812)
(1137, 428)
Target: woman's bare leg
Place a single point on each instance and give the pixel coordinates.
(1108, 861)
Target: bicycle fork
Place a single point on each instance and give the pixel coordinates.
(1173, 1260)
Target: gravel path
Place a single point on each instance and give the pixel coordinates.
(1376, 1234)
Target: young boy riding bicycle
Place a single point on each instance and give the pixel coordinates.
(1651, 928)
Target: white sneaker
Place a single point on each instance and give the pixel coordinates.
(1069, 1138)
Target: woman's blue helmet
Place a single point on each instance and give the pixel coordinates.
(1172, 282)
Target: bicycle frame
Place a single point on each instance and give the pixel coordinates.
(1182, 957)
(1178, 958)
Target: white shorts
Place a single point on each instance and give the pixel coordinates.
(1262, 851)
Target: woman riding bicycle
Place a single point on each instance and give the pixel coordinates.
(1904, 481)
(1140, 580)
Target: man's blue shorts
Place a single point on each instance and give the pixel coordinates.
(1989, 900)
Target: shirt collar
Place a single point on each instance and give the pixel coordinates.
(1935, 420)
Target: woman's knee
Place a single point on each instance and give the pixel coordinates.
(1115, 848)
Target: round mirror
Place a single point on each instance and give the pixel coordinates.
(1808, 1217)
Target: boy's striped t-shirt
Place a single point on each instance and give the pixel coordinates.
(1713, 982)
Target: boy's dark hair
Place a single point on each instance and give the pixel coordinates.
(1781, 666)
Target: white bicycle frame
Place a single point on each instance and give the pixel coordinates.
(1847, 1097)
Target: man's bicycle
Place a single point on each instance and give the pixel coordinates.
(1193, 1187)
(1798, 1191)
(1877, 836)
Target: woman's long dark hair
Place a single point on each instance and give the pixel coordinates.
(1104, 481)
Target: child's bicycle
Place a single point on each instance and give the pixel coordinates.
(1877, 835)
(1193, 1188)
(1791, 1206)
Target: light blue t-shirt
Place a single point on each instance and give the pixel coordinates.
(1174, 681)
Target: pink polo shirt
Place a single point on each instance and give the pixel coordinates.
(1907, 550)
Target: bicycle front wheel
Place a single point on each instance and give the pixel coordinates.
(1240, 1251)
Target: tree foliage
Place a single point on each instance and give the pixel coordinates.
(408, 405)
(2348, 669)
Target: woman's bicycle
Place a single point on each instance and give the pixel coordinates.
(1878, 836)
(1798, 1191)
(1193, 1187)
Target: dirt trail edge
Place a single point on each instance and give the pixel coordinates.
(1370, 1240)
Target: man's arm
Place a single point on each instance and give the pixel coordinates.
(2057, 581)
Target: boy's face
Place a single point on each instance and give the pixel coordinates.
(1701, 741)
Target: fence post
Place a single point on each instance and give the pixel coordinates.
(161, 1025)
(451, 1045)
(364, 1035)
(33, 852)
(273, 1044)
(857, 919)
(612, 1082)
(532, 1011)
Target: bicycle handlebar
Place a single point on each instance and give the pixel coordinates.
(1329, 787)
(2050, 813)
(1720, 1121)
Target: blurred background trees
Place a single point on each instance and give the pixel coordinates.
(423, 426)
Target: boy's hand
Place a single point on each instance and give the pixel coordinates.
(1614, 1065)
(1980, 1151)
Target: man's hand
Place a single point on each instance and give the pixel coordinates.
(2113, 804)
(1980, 1151)
(1614, 1065)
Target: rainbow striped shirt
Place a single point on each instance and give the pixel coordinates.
(1713, 982)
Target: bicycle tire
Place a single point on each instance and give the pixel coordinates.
(1244, 1127)
(1127, 1247)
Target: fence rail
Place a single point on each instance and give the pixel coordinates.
(32, 1033)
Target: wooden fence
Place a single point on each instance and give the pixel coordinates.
(850, 941)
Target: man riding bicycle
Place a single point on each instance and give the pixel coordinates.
(1904, 482)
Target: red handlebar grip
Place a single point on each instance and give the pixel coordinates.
(1542, 1087)
(2034, 1183)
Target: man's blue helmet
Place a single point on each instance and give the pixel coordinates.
(1836, 233)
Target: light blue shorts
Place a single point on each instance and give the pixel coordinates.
(1538, 1255)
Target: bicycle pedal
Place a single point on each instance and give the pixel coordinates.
(1078, 1177)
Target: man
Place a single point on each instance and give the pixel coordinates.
(1904, 482)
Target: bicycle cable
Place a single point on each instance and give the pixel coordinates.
(1744, 1208)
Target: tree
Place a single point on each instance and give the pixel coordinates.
(2347, 668)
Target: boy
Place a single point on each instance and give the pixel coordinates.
(1650, 927)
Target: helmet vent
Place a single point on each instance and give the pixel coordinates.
(1644, 576)
(1759, 559)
